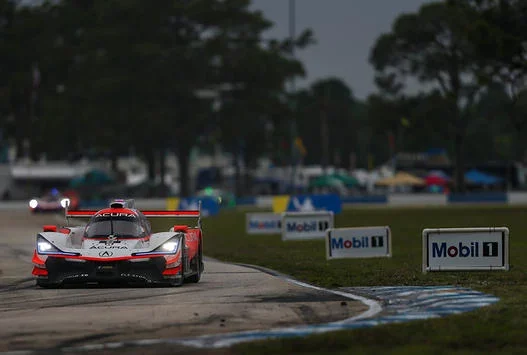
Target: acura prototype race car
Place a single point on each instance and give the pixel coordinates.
(117, 245)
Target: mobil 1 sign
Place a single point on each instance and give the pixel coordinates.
(358, 242)
(446, 249)
(306, 225)
(263, 223)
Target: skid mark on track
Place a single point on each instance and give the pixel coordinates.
(400, 304)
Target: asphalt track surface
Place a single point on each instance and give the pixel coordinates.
(229, 298)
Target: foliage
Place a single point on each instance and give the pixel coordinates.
(325, 119)
(500, 40)
(116, 76)
(431, 46)
(132, 76)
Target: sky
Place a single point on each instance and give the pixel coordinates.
(344, 31)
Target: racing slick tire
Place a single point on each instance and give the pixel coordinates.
(177, 282)
(197, 265)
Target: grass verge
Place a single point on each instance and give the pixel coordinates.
(500, 328)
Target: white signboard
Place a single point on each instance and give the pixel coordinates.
(306, 225)
(263, 223)
(359, 242)
(446, 249)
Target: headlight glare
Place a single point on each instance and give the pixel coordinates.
(170, 246)
(44, 246)
(33, 203)
(65, 202)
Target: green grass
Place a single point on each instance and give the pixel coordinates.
(500, 328)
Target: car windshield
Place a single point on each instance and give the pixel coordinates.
(117, 226)
(50, 198)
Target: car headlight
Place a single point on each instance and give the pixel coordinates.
(45, 247)
(65, 202)
(33, 203)
(170, 246)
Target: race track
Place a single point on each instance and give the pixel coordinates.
(229, 298)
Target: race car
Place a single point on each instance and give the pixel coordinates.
(117, 245)
(54, 201)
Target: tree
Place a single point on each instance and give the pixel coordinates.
(20, 78)
(325, 120)
(431, 46)
(253, 73)
(130, 75)
(500, 41)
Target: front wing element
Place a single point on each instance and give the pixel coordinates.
(59, 270)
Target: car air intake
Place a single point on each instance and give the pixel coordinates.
(122, 204)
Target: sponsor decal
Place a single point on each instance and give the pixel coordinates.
(312, 203)
(111, 239)
(440, 250)
(76, 276)
(263, 223)
(464, 250)
(490, 249)
(105, 254)
(116, 214)
(105, 246)
(306, 206)
(360, 242)
(306, 225)
(135, 276)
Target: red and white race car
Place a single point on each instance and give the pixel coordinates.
(117, 245)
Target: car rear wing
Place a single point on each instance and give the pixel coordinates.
(148, 213)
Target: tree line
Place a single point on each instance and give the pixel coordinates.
(105, 76)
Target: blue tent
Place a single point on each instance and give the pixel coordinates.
(477, 177)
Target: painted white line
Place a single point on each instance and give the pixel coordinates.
(374, 307)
